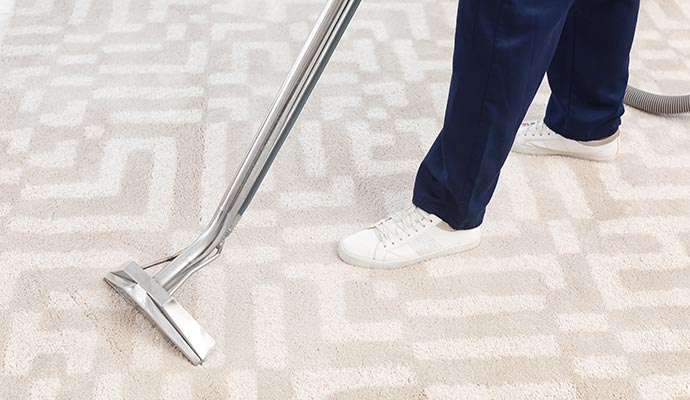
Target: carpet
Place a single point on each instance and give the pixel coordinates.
(121, 122)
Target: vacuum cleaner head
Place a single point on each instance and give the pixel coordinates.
(140, 289)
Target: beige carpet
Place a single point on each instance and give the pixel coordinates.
(122, 121)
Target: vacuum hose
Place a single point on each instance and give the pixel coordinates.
(656, 103)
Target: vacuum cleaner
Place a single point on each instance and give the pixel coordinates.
(153, 295)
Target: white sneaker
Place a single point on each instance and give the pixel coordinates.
(537, 138)
(405, 238)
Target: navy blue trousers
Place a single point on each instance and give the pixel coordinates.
(503, 48)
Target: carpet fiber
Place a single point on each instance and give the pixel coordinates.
(121, 122)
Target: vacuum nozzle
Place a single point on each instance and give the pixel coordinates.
(140, 289)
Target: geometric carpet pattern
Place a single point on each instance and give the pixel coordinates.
(121, 123)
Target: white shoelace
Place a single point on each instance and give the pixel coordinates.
(535, 128)
(402, 225)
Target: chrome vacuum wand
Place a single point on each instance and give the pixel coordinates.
(153, 295)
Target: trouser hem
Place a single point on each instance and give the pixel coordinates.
(581, 133)
(442, 211)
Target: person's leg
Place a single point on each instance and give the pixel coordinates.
(589, 71)
(502, 51)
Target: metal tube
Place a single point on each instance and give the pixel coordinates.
(287, 106)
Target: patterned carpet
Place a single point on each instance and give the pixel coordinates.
(122, 121)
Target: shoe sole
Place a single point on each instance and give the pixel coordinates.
(545, 152)
(375, 264)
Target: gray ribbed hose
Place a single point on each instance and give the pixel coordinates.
(656, 103)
